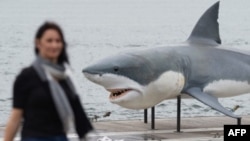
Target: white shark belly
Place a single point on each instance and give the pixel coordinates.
(227, 88)
(167, 86)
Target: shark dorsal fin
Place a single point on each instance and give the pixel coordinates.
(206, 29)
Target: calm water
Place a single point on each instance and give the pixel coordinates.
(98, 28)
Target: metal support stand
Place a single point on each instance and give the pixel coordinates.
(153, 118)
(178, 126)
(179, 113)
(145, 115)
(239, 121)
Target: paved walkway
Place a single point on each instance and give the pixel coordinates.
(192, 129)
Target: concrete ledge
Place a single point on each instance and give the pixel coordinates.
(192, 129)
(168, 124)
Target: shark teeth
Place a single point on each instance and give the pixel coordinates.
(116, 93)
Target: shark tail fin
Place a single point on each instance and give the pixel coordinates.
(206, 29)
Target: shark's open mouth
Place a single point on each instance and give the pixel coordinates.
(116, 93)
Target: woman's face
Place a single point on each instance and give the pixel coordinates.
(50, 45)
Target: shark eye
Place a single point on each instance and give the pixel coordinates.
(116, 68)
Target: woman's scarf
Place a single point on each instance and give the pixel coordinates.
(52, 72)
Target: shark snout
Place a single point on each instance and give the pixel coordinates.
(89, 70)
(94, 77)
(86, 70)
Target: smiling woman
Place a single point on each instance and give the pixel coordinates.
(44, 96)
(50, 43)
(98, 28)
(50, 46)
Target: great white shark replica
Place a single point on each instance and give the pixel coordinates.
(200, 68)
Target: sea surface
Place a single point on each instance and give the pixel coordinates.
(98, 28)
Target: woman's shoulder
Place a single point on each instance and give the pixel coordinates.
(26, 73)
(27, 70)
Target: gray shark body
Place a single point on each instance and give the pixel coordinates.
(201, 68)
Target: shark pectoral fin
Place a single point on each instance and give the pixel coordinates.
(209, 100)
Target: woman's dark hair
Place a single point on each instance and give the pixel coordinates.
(63, 57)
